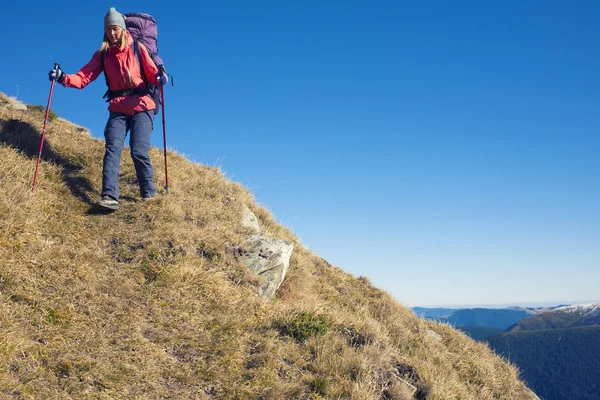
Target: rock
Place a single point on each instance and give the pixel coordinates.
(408, 388)
(269, 259)
(249, 220)
(433, 334)
(16, 104)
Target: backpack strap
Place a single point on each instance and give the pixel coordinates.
(102, 57)
(136, 51)
(150, 88)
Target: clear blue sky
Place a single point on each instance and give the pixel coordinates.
(447, 150)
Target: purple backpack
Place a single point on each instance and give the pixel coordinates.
(143, 29)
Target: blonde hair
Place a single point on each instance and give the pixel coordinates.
(122, 42)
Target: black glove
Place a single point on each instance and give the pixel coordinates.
(162, 76)
(162, 79)
(57, 74)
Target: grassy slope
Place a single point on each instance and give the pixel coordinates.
(150, 302)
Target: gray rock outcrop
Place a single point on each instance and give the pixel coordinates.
(434, 335)
(249, 220)
(267, 258)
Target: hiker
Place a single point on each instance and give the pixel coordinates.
(131, 107)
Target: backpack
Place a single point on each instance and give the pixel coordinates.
(143, 29)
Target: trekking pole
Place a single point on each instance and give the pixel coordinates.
(37, 164)
(162, 99)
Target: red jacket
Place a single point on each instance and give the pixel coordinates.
(123, 71)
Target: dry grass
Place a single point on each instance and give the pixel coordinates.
(151, 303)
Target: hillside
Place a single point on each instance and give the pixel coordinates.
(152, 302)
(478, 321)
(563, 317)
(479, 332)
(558, 364)
(486, 317)
(433, 313)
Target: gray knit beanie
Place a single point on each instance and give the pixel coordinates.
(113, 17)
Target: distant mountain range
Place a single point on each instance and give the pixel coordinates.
(434, 313)
(482, 322)
(490, 318)
(562, 317)
(479, 332)
(557, 364)
(557, 349)
(478, 321)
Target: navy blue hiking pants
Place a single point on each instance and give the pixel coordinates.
(139, 127)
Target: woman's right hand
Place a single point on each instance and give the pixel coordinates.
(57, 74)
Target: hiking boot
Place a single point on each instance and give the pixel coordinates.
(149, 198)
(108, 202)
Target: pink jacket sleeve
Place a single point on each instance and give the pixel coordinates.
(87, 74)
(148, 65)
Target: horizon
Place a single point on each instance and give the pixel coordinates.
(446, 151)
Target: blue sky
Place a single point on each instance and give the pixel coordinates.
(447, 150)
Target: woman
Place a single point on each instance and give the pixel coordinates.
(130, 105)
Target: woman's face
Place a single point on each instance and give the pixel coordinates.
(113, 33)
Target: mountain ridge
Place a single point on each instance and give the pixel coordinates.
(562, 317)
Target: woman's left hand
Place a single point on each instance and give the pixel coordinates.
(162, 79)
